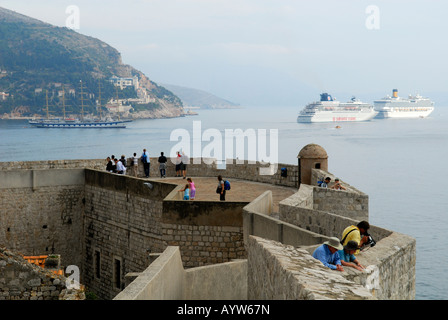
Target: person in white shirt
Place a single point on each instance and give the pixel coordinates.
(185, 161)
(134, 164)
(121, 169)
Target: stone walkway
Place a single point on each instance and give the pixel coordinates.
(241, 190)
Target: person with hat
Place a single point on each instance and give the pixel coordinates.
(327, 253)
(348, 258)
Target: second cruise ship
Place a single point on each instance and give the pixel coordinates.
(397, 107)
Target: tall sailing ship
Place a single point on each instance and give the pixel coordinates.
(82, 122)
(331, 110)
(397, 107)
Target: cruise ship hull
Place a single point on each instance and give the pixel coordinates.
(334, 116)
(404, 113)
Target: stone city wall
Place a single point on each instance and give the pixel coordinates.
(391, 272)
(120, 220)
(125, 220)
(351, 202)
(122, 223)
(279, 272)
(166, 279)
(201, 167)
(41, 212)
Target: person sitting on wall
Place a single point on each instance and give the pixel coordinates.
(121, 169)
(109, 165)
(327, 253)
(348, 258)
(325, 183)
(356, 233)
(337, 185)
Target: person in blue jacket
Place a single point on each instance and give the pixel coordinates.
(327, 253)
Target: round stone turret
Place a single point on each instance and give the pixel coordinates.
(312, 156)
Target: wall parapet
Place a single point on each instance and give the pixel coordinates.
(274, 267)
(166, 279)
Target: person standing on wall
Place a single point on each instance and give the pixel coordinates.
(178, 164)
(192, 188)
(134, 164)
(185, 161)
(162, 165)
(146, 162)
(109, 165)
(220, 189)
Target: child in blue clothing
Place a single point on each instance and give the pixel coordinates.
(186, 191)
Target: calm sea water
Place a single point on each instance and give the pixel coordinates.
(399, 163)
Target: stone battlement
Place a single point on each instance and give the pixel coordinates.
(114, 225)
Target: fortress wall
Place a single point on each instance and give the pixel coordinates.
(321, 222)
(119, 218)
(41, 212)
(98, 164)
(166, 279)
(207, 232)
(162, 280)
(125, 220)
(341, 202)
(279, 272)
(391, 271)
(205, 167)
(122, 226)
(237, 169)
(258, 223)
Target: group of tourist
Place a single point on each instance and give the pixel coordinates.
(181, 164)
(116, 165)
(336, 186)
(119, 165)
(336, 254)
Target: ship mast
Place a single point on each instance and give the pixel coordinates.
(82, 103)
(63, 102)
(99, 100)
(118, 104)
(46, 99)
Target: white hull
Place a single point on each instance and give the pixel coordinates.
(334, 116)
(404, 113)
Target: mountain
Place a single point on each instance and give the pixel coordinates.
(199, 98)
(38, 60)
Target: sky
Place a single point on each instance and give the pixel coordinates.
(270, 52)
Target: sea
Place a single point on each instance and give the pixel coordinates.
(399, 163)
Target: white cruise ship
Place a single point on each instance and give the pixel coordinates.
(331, 110)
(396, 107)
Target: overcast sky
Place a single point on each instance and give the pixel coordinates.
(270, 52)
